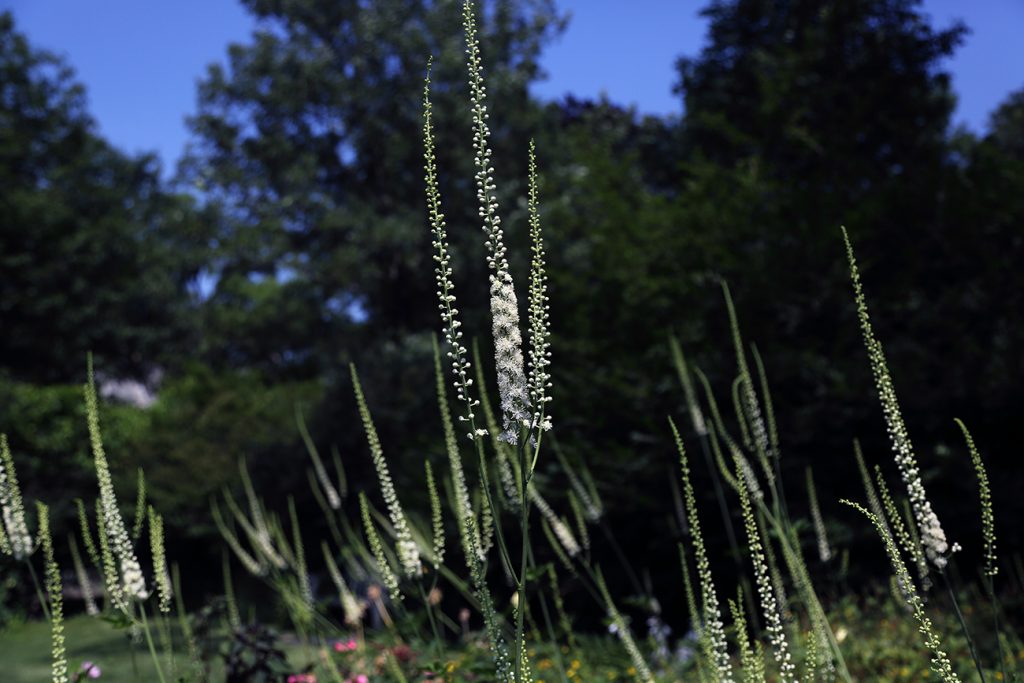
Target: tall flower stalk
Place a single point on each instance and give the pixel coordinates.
(132, 583)
(55, 596)
(334, 498)
(472, 539)
(933, 538)
(750, 409)
(387, 575)
(770, 607)
(713, 630)
(988, 538)
(824, 548)
(540, 331)
(508, 342)
(988, 520)
(522, 399)
(869, 488)
(349, 603)
(451, 325)
(408, 551)
(82, 575)
(160, 572)
(900, 532)
(940, 660)
(17, 541)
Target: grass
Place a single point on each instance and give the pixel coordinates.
(25, 651)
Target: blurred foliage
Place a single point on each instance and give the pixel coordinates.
(881, 644)
(203, 424)
(294, 241)
(96, 254)
(189, 444)
(50, 445)
(308, 143)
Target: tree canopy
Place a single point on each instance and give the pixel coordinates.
(308, 141)
(95, 253)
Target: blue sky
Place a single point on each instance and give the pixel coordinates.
(140, 59)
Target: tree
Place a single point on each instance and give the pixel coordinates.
(94, 253)
(308, 142)
(833, 98)
(1006, 125)
(841, 111)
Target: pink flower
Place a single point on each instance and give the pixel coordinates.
(91, 670)
(346, 647)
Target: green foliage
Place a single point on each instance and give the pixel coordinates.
(96, 253)
(202, 423)
(47, 431)
(307, 140)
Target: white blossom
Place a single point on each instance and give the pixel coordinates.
(408, 551)
(933, 538)
(560, 529)
(508, 354)
(132, 580)
(17, 541)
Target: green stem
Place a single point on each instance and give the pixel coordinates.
(722, 505)
(990, 586)
(486, 486)
(963, 623)
(166, 640)
(549, 625)
(131, 651)
(777, 466)
(524, 524)
(43, 603)
(438, 644)
(149, 642)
